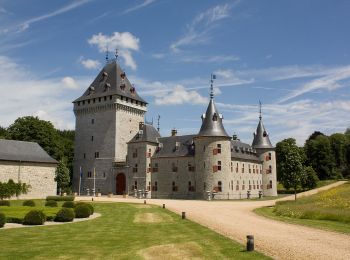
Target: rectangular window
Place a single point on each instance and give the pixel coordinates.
(92, 138)
(149, 153)
(174, 167)
(155, 167)
(92, 121)
(219, 165)
(97, 154)
(134, 169)
(84, 155)
(218, 147)
(134, 154)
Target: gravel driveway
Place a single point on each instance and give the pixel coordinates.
(279, 240)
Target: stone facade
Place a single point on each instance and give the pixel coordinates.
(118, 153)
(40, 177)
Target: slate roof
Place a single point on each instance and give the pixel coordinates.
(109, 82)
(148, 134)
(212, 122)
(243, 151)
(11, 150)
(168, 146)
(261, 137)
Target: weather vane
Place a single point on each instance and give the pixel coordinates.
(212, 77)
(260, 110)
(116, 54)
(107, 54)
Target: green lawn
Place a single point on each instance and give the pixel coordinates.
(115, 235)
(326, 210)
(281, 189)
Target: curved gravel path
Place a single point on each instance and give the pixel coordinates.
(279, 240)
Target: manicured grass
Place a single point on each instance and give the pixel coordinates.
(329, 209)
(115, 235)
(16, 210)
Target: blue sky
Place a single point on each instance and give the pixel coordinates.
(294, 56)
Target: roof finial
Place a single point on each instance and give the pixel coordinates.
(106, 54)
(260, 114)
(158, 123)
(116, 54)
(213, 76)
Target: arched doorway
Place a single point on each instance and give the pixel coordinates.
(120, 184)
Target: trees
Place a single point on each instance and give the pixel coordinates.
(9, 189)
(3, 132)
(62, 176)
(309, 179)
(320, 157)
(289, 164)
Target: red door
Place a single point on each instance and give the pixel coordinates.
(120, 184)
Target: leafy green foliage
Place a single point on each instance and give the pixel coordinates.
(3, 133)
(51, 203)
(82, 211)
(60, 198)
(89, 205)
(5, 203)
(290, 164)
(9, 189)
(57, 143)
(2, 219)
(62, 176)
(309, 180)
(68, 204)
(34, 217)
(29, 203)
(64, 215)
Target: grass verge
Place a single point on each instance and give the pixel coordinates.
(115, 235)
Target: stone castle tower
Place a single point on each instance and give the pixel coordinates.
(267, 155)
(107, 117)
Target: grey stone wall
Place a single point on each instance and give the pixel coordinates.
(40, 176)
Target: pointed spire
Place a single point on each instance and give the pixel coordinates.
(260, 114)
(212, 77)
(106, 54)
(212, 120)
(116, 54)
(261, 136)
(158, 123)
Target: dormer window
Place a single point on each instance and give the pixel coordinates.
(122, 75)
(215, 117)
(107, 87)
(264, 134)
(132, 90)
(177, 145)
(122, 86)
(91, 90)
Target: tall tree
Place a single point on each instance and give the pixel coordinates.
(339, 144)
(289, 164)
(62, 176)
(3, 132)
(320, 157)
(309, 179)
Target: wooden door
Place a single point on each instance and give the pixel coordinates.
(120, 184)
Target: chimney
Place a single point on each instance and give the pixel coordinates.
(141, 125)
(173, 132)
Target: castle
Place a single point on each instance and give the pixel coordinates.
(116, 152)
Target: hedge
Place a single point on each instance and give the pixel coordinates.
(89, 205)
(82, 211)
(51, 203)
(29, 203)
(68, 204)
(60, 198)
(2, 219)
(5, 203)
(64, 215)
(34, 217)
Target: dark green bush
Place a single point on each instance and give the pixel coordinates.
(60, 198)
(14, 220)
(50, 218)
(82, 211)
(92, 210)
(64, 215)
(69, 204)
(34, 217)
(2, 219)
(5, 203)
(29, 203)
(51, 203)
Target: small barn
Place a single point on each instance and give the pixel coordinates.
(28, 163)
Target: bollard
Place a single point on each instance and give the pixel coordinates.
(250, 243)
(183, 215)
(144, 202)
(92, 199)
(163, 206)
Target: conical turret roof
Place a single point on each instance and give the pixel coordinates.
(111, 81)
(212, 122)
(261, 137)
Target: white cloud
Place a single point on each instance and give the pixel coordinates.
(139, 6)
(158, 55)
(329, 82)
(70, 83)
(125, 42)
(210, 59)
(179, 95)
(90, 64)
(25, 25)
(198, 30)
(28, 94)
